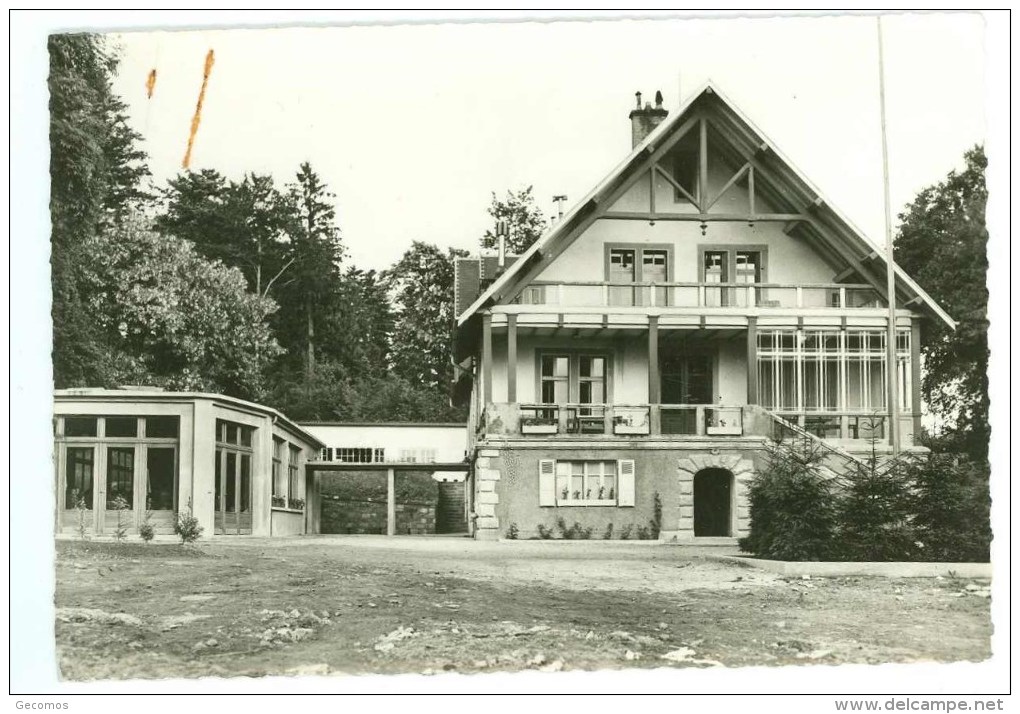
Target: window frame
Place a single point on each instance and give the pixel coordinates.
(587, 473)
(639, 250)
(573, 378)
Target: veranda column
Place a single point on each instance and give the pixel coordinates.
(654, 387)
(511, 359)
(391, 502)
(752, 360)
(486, 361)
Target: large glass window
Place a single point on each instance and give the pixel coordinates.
(161, 486)
(80, 426)
(279, 485)
(78, 474)
(120, 476)
(830, 371)
(294, 474)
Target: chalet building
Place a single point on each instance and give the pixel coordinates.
(703, 299)
(240, 467)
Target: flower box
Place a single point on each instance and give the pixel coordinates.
(538, 428)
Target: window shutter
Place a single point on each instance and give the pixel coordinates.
(625, 469)
(546, 482)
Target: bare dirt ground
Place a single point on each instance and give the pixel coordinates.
(369, 604)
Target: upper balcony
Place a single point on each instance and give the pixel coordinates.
(687, 296)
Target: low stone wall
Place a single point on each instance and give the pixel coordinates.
(369, 516)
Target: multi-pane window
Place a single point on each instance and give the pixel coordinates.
(417, 456)
(555, 379)
(117, 461)
(574, 378)
(715, 272)
(586, 481)
(279, 484)
(637, 265)
(357, 454)
(829, 370)
(294, 474)
(120, 476)
(78, 474)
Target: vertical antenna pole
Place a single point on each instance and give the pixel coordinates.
(890, 277)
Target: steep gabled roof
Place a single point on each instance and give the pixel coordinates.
(836, 226)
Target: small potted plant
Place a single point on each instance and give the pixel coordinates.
(538, 425)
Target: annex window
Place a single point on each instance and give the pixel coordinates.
(417, 456)
(586, 483)
(125, 462)
(78, 473)
(294, 478)
(279, 484)
(358, 454)
(233, 469)
(120, 477)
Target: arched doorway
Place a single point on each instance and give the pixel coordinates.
(712, 503)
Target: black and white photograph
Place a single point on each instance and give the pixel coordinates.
(510, 353)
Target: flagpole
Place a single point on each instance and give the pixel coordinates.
(892, 373)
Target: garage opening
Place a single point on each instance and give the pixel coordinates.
(712, 503)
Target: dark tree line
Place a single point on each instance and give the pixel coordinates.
(237, 286)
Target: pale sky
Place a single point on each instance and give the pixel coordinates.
(412, 126)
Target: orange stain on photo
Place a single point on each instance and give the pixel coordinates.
(195, 120)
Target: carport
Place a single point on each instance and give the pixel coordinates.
(391, 469)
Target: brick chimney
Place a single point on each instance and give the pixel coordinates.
(644, 119)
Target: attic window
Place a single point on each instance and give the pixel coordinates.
(685, 166)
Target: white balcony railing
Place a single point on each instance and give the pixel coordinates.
(701, 295)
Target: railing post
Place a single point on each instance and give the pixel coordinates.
(842, 298)
(651, 294)
(607, 418)
(800, 296)
(701, 295)
(654, 419)
(605, 294)
(699, 420)
(751, 301)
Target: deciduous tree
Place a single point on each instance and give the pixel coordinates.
(525, 222)
(942, 244)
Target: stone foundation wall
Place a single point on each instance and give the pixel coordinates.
(506, 489)
(350, 516)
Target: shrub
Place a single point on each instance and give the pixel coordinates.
(626, 532)
(580, 532)
(655, 525)
(120, 505)
(951, 508)
(84, 516)
(644, 533)
(791, 506)
(874, 511)
(146, 531)
(544, 533)
(512, 532)
(608, 535)
(565, 532)
(186, 526)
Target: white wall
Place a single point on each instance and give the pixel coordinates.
(448, 441)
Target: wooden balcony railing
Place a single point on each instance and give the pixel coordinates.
(701, 295)
(701, 420)
(617, 419)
